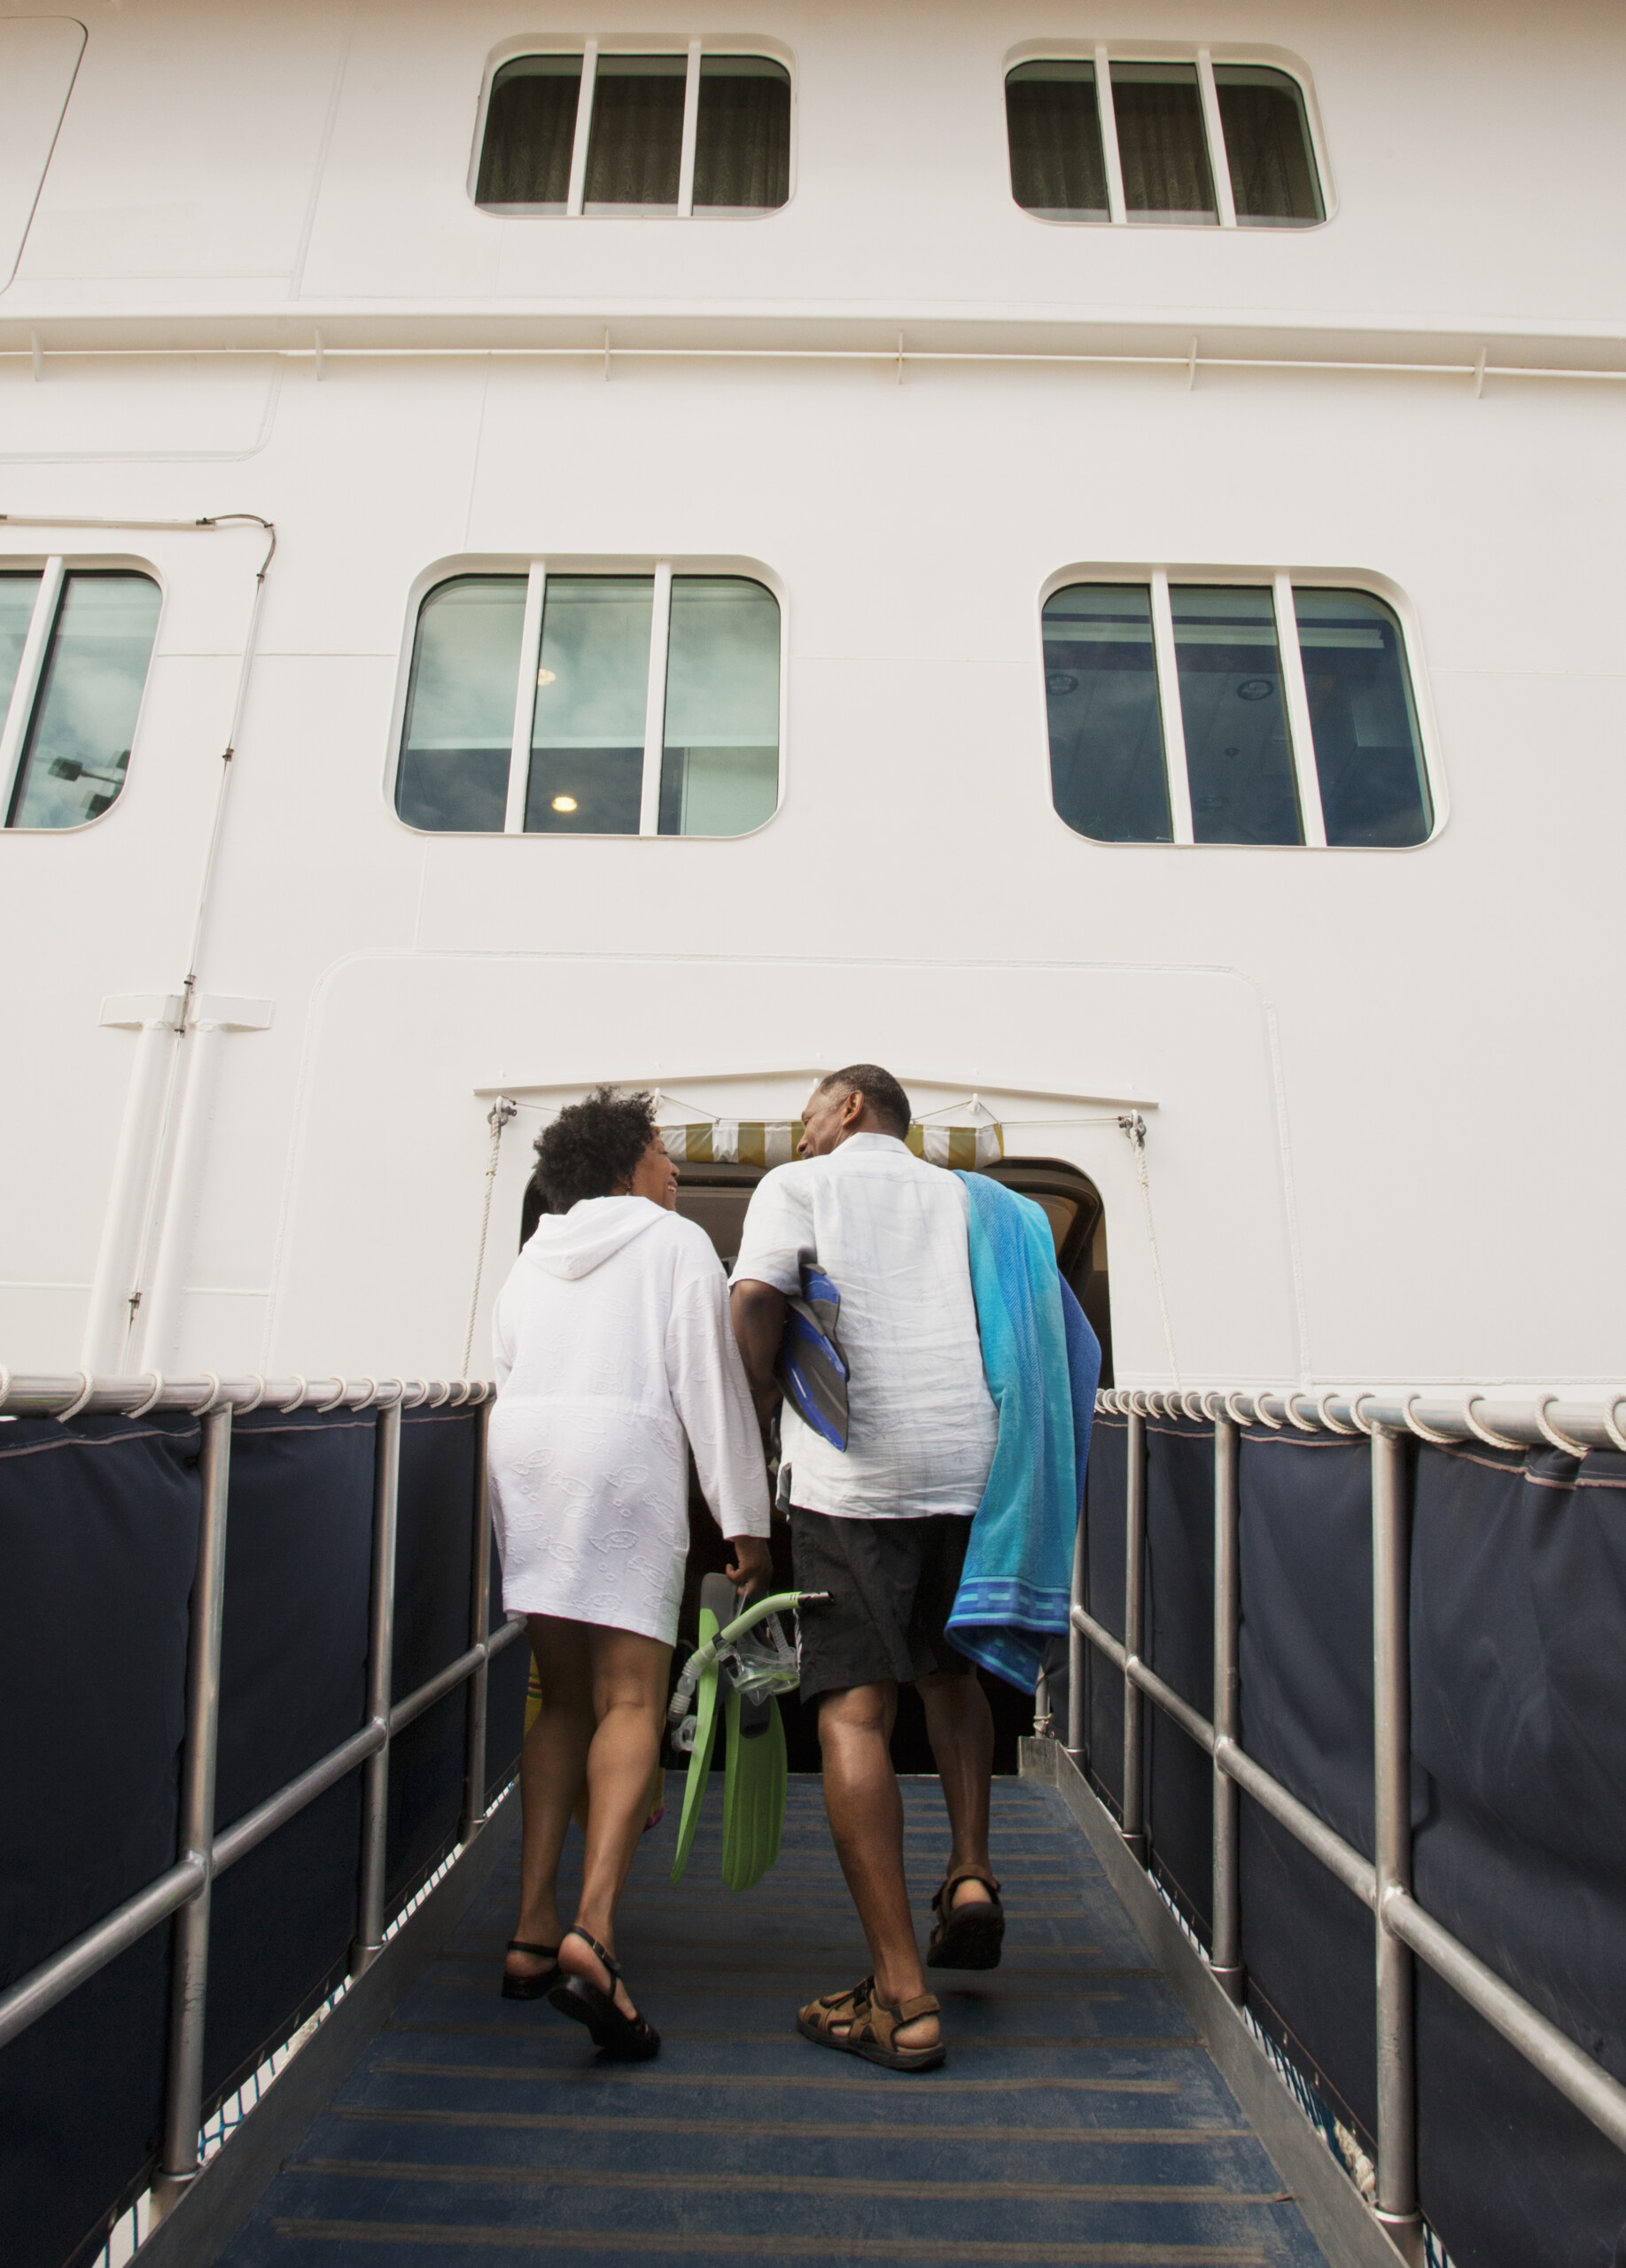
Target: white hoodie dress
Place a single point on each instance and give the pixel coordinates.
(612, 1341)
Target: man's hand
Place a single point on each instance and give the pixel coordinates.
(751, 1568)
(757, 1313)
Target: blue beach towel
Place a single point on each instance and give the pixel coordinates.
(1042, 1362)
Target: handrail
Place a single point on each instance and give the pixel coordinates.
(1404, 1927)
(182, 1894)
(1427, 1412)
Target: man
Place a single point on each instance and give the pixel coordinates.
(883, 1527)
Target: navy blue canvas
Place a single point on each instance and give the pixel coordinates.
(98, 1536)
(1103, 1591)
(293, 1685)
(1519, 1716)
(1179, 1646)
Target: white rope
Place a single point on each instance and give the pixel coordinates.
(142, 1407)
(1134, 1132)
(258, 1395)
(1610, 1426)
(497, 1117)
(1560, 1441)
(1491, 1441)
(297, 1401)
(1327, 1418)
(323, 1408)
(1424, 1433)
(87, 1387)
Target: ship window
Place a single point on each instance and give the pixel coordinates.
(679, 132)
(567, 704)
(74, 648)
(1232, 712)
(1195, 144)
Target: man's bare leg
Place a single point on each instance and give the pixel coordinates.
(865, 1808)
(960, 1727)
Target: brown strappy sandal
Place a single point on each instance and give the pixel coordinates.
(969, 1935)
(870, 2026)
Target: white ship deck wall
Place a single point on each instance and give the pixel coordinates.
(1383, 1087)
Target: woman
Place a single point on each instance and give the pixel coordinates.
(613, 1342)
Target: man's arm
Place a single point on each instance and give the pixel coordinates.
(757, 1312)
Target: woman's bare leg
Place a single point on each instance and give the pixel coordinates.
(551, 1766)
(629, 1679)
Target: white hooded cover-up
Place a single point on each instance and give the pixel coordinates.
(613, 1342)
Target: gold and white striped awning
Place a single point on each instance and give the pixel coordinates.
(773, 1142)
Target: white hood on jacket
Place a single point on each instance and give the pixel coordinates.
(575, 1242)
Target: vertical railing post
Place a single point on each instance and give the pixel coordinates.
(380, 1668)
(1226, 1959)
(480, 1630)
(1077, 1654)
(1134, 1627)
(190, 1940)
(1396, 2170)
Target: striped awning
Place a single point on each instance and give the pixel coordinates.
(773, 1142)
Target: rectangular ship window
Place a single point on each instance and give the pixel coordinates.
(1107, 771)
(719, 764)
(1232, 713)
(669, 134)
(1057, 167)
(592, 692)
(1193, 144)
(72, 715)
(530, 133)
(742, 135)
(1237, 756)
(1273, 164)
(635, 153)
(1161, 146)
(577, 703)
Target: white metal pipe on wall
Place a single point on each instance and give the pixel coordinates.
(160, 1317)
(157, 1023)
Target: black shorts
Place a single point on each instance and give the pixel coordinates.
(891, 1586)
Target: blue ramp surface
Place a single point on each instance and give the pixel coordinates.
(1078, 2119)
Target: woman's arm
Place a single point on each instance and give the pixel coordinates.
(710, 1393)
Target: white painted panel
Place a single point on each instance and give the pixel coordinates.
(38, 58)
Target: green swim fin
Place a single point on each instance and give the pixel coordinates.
(755, 1777)
(700, 1755)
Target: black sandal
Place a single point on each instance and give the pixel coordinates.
(530, 1988)
(628, 2040)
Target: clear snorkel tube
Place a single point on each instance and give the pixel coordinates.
(757, 1663)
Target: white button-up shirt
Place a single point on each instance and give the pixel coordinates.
(890, 1233)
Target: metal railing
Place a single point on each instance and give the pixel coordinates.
(1404, 1929)
(182, 1894)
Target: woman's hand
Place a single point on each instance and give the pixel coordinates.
(751, 1568)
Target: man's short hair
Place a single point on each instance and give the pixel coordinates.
(879, 1090)
(592, 1145)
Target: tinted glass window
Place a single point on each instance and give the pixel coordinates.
(1054, 117)
(18, 594)
(1369, 758)
(460, 706)
(1237, 758)
(85, 713)
(742, 135)
(636, 152)
(1268, 148)
(1107, 769)
(530, 132)
(1161, 145)
(592, 694)
(720, 767)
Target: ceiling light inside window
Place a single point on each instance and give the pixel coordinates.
(547, 676)
(564, 803)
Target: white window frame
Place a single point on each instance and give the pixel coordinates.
(590, 51)
(53, 573)
(1281, 582)
(1104, 53)
(536, 572)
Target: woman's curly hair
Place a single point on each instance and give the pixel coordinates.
(591, 1146)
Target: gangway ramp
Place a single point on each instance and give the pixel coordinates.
(1079, 2118)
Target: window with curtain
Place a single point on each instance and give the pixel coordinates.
(580, 703)
(675, 133)
(74, 648)
(1236, 712)
(1173, 144)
